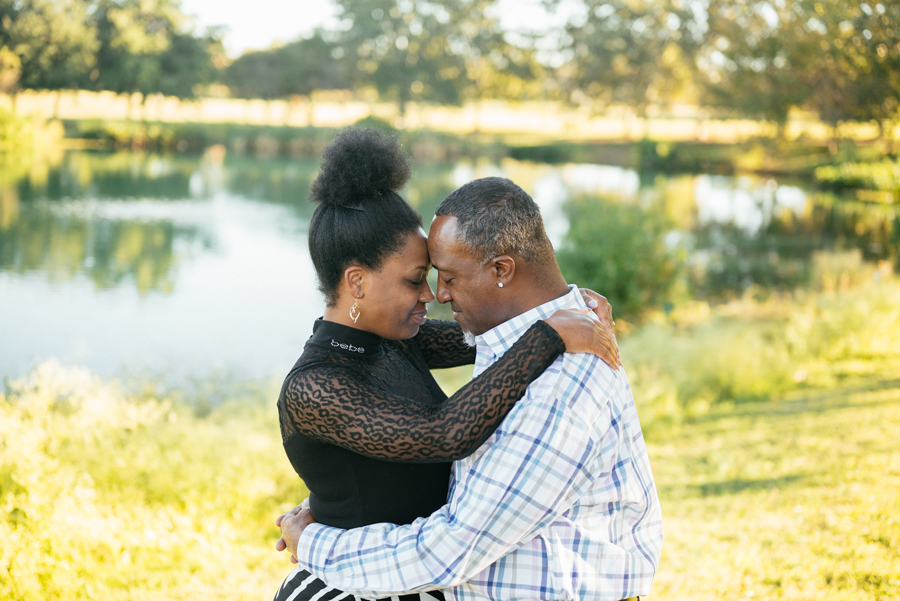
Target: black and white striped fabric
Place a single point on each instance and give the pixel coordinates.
(300, 585)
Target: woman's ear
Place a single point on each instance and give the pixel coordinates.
(353, 281)
(504, 268)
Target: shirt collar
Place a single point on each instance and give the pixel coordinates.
(344, 339)
(498, 340)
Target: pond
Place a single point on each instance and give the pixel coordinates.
(184, 266)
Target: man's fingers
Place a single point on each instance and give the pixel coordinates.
(293, 511)
(280, 545)
(294, 559)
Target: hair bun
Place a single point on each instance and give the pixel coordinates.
(359, 164)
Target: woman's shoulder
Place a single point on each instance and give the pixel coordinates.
(317, 359)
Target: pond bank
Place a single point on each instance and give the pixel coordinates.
(757, 155)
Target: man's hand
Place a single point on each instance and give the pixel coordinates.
(292, 525)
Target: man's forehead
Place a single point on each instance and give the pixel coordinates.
(443, 227)
(444, 243)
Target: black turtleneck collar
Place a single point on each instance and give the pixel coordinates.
(344, 339)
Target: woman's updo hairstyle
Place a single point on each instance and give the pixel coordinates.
(360, 219)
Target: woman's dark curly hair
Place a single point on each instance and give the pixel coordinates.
(360, 219)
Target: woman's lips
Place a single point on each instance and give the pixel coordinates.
(418, 317)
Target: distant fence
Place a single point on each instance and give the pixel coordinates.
(527, 120)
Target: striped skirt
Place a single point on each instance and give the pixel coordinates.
(300, 585)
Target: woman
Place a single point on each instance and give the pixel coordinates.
(362, 420)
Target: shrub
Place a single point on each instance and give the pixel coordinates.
(620, 251)
(884, 175)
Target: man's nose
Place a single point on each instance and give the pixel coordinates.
(443, 294)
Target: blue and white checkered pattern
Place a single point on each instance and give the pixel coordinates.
(559, 503)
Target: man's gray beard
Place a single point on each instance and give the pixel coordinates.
(469, 338)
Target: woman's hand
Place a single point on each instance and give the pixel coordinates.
(601, 307)
(581, 333)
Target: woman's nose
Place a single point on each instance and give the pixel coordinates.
(427, 295)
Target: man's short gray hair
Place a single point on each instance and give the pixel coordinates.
(496, 217)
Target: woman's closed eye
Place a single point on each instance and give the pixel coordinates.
(418, 281)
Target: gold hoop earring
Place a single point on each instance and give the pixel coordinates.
(354, 310)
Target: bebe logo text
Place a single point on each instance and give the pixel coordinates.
(347, 347)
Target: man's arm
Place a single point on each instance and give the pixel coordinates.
(532, 473)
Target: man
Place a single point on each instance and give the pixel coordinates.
(560, 502)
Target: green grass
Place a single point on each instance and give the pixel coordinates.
(772, 430)
(789, 499)
(112, 495)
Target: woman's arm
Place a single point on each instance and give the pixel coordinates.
(442, 345)
(335, 405)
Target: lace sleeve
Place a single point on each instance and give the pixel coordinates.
(334, 405)
(442, 345)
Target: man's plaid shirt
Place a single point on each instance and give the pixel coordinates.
(559, 503)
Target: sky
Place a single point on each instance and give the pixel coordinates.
(260, 23)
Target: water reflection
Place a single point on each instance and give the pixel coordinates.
(120, 175)
(737, 232)
(109, 252)
(134, 217)
(202, 259)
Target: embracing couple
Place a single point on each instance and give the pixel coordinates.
(530, 482)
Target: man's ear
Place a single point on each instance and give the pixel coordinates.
(353, 281)
(504, 268)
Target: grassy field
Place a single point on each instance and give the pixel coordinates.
(794, 499)
(772, 430)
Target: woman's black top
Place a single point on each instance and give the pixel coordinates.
(371, 433)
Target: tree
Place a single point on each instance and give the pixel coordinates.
(429, 50)
(405, 50)
(148, 46)
(53, 40)
(499, 64)
(859, 70)
(187, 63)
(10, 70)
(120, 45)
(838, 58)
(628, 51)
(755, 58)
(424, 50)
(300, 67)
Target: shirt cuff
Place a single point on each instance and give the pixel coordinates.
(314, 544)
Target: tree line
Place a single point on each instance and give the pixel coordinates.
(757, 59)
(146, 46)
